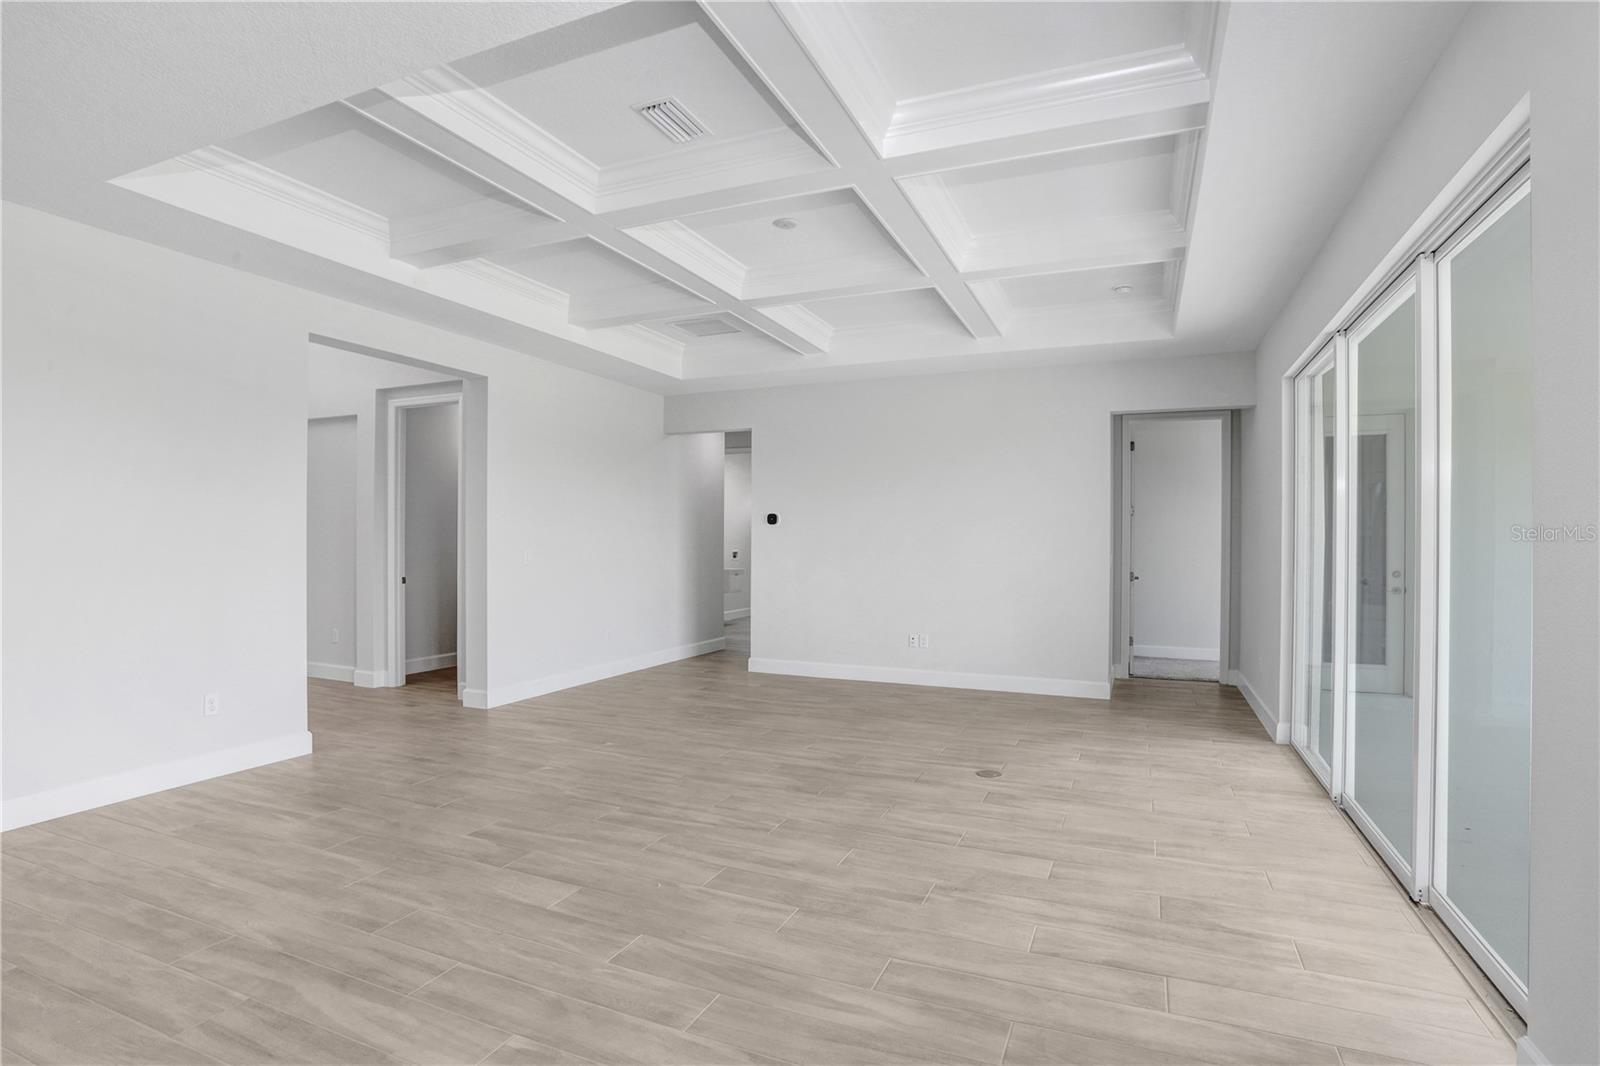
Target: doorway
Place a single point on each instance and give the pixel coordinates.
(396, 504)
(428, 484)
(1174, 567)
(736, 571)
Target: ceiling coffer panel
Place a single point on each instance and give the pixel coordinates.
(687, 188)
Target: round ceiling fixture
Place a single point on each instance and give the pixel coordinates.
(1122, 290)
(785, 223)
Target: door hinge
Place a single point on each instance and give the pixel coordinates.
(402, 579)
(1130, 640)
(1130, 445)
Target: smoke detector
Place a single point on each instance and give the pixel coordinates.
(706, 327)
(673, 120)
(1122, 290)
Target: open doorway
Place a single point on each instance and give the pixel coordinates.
(395, 454)
(427, 533)
(736, 573)
(1174, 567)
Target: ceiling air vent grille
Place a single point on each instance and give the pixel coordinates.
(673, 120)
(706, 327)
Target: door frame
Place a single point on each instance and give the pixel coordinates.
(1302, 622)
(1122, 653)
(396, 408)
(1411, 872)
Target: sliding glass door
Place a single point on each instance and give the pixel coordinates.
(1413, 538)
(1485, 704)
(1316, 550)
(1380, 781)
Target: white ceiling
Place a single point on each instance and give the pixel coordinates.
(970, 182)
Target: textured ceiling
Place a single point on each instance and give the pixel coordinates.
(957, 200)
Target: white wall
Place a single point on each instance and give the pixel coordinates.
(155, 449)
(331, 548)
(1177, 537)
(1502, 52)
(975, 508)
(433, 454)
(736, 534)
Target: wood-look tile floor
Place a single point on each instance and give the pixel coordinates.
(693, 864)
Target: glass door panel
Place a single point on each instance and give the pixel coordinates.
(1481, 838)
(1381, 753)
(1316, 480)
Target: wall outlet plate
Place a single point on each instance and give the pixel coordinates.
(213, 705)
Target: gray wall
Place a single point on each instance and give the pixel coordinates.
(331, 548)
(1501, 53)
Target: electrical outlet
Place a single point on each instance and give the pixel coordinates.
(213, 704)
(911, 640)
(336, 634)
(922, 640)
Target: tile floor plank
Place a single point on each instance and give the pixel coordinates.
(695, 864)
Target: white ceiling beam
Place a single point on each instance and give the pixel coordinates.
(897, 282)
(764, 39)
(472, 231)
(460, 148)
(1164, 122)
(1159, 248)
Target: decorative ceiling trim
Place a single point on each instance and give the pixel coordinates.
(828, 33)
(725, 163)
(291, 192)
(1064, 97)
(442, 95)
(685, 246)
(520, 285)
(1129, 237)
(804, 321)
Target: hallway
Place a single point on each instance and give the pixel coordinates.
(697, 864)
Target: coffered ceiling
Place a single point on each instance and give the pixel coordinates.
(723, 189)
(706, 195)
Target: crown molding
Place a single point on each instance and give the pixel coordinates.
(680, 243)
(520, 285)
(630, 304)
(804, 321)
(291, 192)
(476, 114)
(831, 275)
(1048, 99)
(931, 199)
(723, 163)
(838, 50)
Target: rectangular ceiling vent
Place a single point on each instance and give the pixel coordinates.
(673, 120)
(706, 327)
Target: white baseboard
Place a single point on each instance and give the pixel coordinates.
(1174, 651)
(736, 614)
(1528, 1053)
(500, 695)
(367, 679)
(1277, 728)
(895, 675)
(114, 788)
(331, 672)
(423, 663)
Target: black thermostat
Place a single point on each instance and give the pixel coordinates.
(772, 519)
